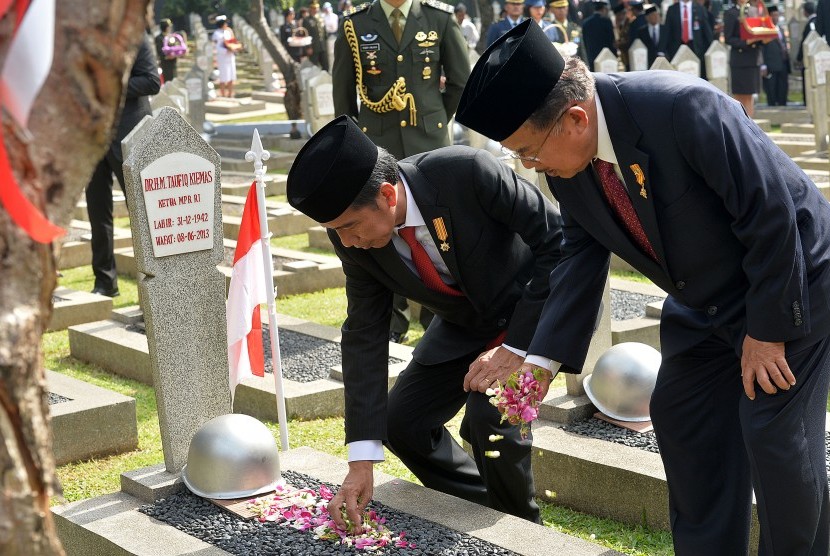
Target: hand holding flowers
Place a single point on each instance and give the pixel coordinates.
(519, 397)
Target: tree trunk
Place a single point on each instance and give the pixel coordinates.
(289, 69)
(69, 130)
(485, 9)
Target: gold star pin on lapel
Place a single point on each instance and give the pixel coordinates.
(441, 233)
(641, 179)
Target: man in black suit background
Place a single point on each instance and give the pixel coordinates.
(688, 23)
(457, 231)
(598, 32)
(143, 81)
(809, 9)
(653, 34)
(637, 161)
(776, 67)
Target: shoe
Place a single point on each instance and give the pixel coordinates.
(398, 338)
(109, 293)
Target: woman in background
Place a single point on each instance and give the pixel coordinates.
(744, 57)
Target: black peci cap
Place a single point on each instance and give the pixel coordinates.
(331, 169)
(524, 55)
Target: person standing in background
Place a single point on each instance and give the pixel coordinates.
(226, 47)
(744, 57)
(598, 32)
(143, 81)
(512, 17)
(775, 70)
(167, 62)
(330, 24)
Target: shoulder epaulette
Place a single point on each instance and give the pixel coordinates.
(357, 9)
(438, 5)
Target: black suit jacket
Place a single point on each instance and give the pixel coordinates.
(701, 31)
(742, 240)
(503, 238)
(597, 33)
(823, 18)
(654, 50)
(144, 80)
(810, 25)
(775, 55)
(742, 54)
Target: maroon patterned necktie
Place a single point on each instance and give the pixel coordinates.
(424, 265)
(621, 203)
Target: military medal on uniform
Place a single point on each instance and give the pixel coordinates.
(641, 179)
(441, 233)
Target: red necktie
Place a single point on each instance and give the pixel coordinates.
(424, 266)
(685, 23)
(621, 203)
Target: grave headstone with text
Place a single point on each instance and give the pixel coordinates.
(810, 42)
(685, 61)
(606, 62)
(321, 101)
(175, 213)
(638, 56)
(717, 65)
(196, 94)
(161, 100)
(819, 66)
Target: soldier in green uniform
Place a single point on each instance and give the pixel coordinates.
(405, 64)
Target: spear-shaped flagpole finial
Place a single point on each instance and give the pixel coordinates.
(257, 155)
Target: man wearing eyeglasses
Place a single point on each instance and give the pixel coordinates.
(667, 172)
(457, 231)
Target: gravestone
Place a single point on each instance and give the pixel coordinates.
(810, 42)
(161, 100)
(638, 56)
(606, 62)
(717, 65)
(661, 63)
(819, 57)
(320, 109)
(196, 84)
(685, 61)
(176, 220)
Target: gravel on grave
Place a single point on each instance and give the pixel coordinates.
(629, 305)
(304, 358)
(208, 522)
(57, 398)
(597, 428)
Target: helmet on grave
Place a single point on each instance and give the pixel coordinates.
(232, 456)
(623, 380)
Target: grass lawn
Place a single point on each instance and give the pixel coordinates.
(100, 476)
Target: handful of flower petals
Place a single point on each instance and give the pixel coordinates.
(307, 510)
(518, 400)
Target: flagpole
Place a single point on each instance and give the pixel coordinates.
(258, 155)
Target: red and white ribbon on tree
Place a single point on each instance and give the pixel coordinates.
(25, 69)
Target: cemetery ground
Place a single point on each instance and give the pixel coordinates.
(93, 478)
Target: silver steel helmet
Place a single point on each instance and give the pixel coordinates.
(232, 456)
(623, 380)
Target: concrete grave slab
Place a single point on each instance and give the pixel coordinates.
(111, 525)
(75, 250)
(93, 422)
(238, 184)
(794, 144)
(71, 307)
(233, 106)
(122, 349)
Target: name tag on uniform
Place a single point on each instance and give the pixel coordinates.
(369, 47)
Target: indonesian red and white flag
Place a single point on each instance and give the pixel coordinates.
(247, 292)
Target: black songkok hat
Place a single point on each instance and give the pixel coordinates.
(331, 169)
(519, 69)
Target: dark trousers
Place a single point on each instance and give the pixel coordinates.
(776, 88)
(718, 446)
(99, 208)
(423, 399)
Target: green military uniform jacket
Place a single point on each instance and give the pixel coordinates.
(431, 44)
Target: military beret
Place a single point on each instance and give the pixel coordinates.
(330, 170)
(522, 55)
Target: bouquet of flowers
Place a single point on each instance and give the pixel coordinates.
(518, 400)
(174, 45)
(306, 510)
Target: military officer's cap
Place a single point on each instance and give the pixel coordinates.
(559, 4)
(522, 55)
(650, 8)
(534, 3)
(331, 169)
(600, 4)
(514, 1)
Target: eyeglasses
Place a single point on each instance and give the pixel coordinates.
(535, 157)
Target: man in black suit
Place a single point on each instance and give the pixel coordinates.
(688, 23)
(143, 81)
(653, 34)
(598, 32)
(776, 67)
(822, 13)
(457, 231)
(665, 171)
(809, 9)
